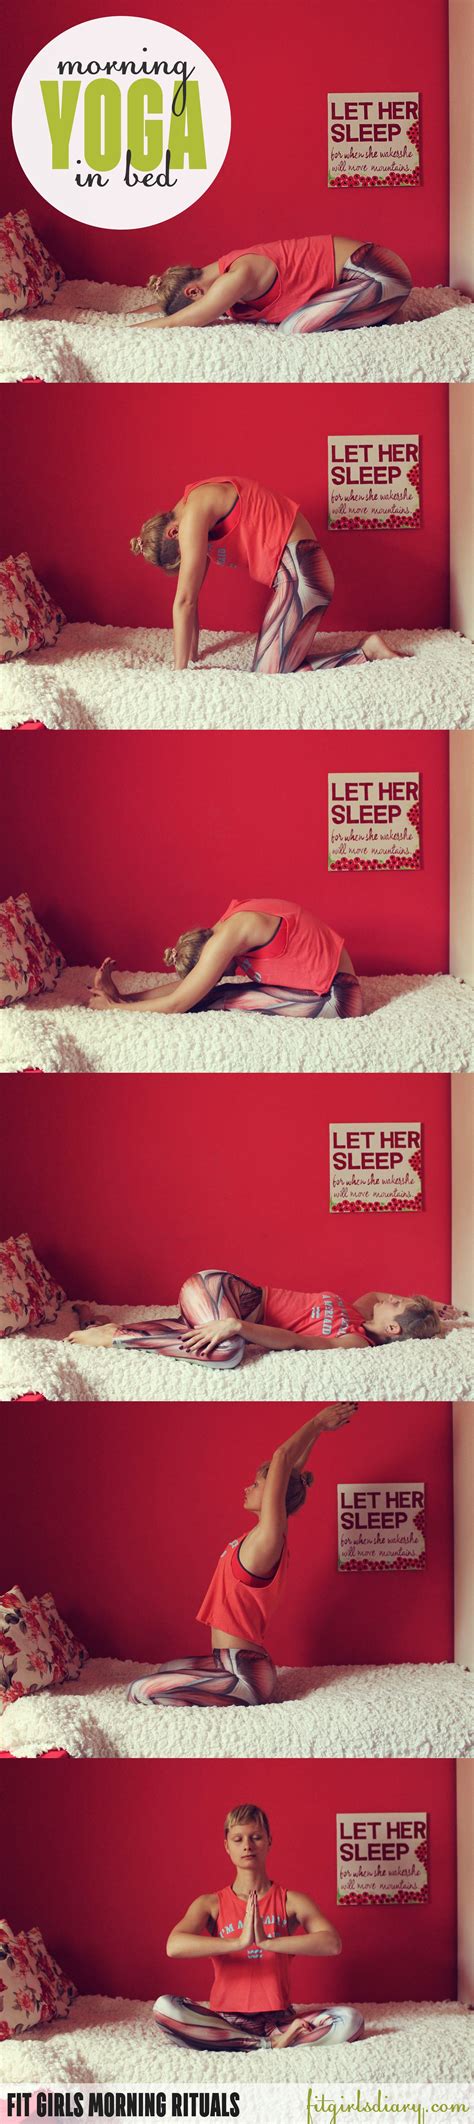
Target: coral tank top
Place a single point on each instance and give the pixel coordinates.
(304, 268)
(256, 530)
(251, 1984)
(238, 1602)
(304, 954)
(306, 1312)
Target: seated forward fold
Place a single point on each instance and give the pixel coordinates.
(292, 966)
(234, 522)
(250, 1931)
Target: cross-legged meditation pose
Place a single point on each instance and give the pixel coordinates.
(250, 1930)
(246, 1586)
(293, 966)
(301, 284)
(235, 522)
(220, 1315)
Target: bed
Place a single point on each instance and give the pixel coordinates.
(408, 1710)
(412, 1022)
(43, 1361)
(102, 678)
(83, 337)
(116, 2043)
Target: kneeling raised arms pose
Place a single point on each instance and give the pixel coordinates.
(300, 283)
(293, 966)
(247, 1585)
(251, 1930)
(238, 523)
(220, 1314)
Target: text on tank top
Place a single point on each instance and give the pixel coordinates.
(312, 1312)
(259, 1984)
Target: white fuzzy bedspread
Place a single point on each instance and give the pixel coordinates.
(408, 1710)
(101, 678)
(83, 337)
(412, 1022)
(43, 1362)
(116, 2042)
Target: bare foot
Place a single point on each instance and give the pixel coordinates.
(104, 991)
(97, 1338)
(375, 648)
(300, 2029)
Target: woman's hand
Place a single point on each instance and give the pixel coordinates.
(260, 1936)
(246, 1937)
(337, 1414)
(198, 1342)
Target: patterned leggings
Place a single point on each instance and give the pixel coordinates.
(372, 288)
(213, 1294)
(221, 1677)
(300, 595)
(343, 1000)
(199, 2028)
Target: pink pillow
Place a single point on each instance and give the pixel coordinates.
(37, 1649)
(28, 1294)
(29, 961)
(28, 274)
(33, 1989)
(29, 617)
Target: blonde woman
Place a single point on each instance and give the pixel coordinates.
(234, 522)
(291, 965)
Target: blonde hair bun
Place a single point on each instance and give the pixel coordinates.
(136, 545)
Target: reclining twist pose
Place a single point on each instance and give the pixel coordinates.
(293, 966)
(246, 1586)
(221, 1314)
(249, 1931)
(301, 284)
(235, 522)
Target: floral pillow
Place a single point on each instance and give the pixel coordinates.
(28, 1294)
(33, 1988)
(37, 1649)
(28, 274)
(29, 961)
(29, 617)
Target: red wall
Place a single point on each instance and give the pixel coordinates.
(107, 1464)
(132, 1843)
(81, 472)
(128, 1185)
(128, 874)
(277, 81)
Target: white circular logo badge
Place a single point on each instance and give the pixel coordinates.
(121, 122)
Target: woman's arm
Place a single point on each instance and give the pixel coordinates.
(177, 996)
(261, 1548)
(200, 1340)
(318, 1936)
(206, 309)
(193, 1935)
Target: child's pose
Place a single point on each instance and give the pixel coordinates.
(250, 1931)
(300, 283)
